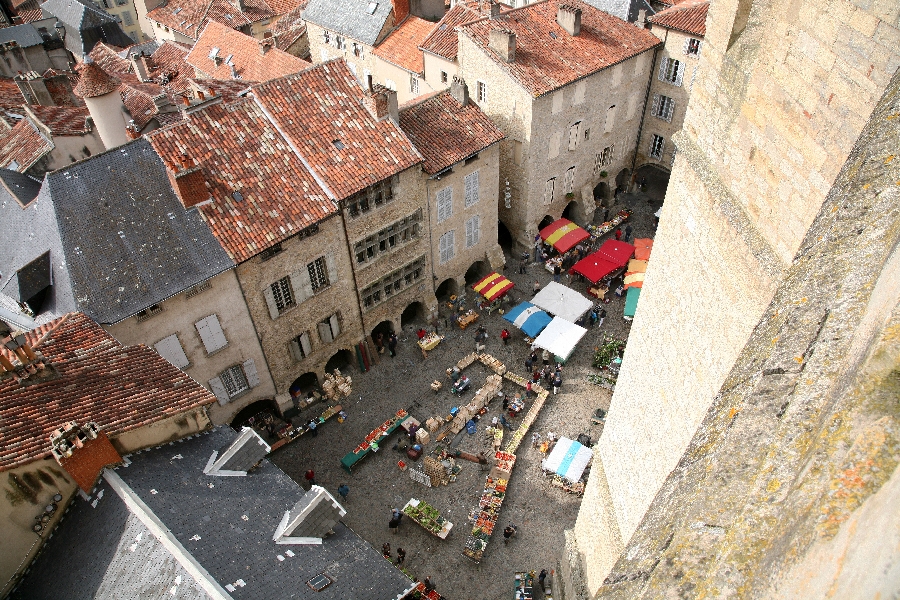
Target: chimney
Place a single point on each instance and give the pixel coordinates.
(33, 89)
(241, 5)
(7, 366)
(382, 103)
(266, 44)
(459, 90)
(188, 181)
(141, 67)
(401, 10)
(641, 19)
(495, 9)
(503, 42)
(569, 18)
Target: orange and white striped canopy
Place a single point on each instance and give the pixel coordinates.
(564, 235)
(493, 286)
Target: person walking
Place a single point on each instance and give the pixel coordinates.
(523, 266)
(313, 427)
(557, 271)
(606, 210)
(310, 477)
(536, 287)
(509, 532)
(343, 490)
(528, 390)
(535, 439)
(505, 423)
(537, 247)
(504, 335)
(427, 583)
(541, 579)
(618, 233)
(600, 316)
(392, 344)
(386, 550)
(546, 357)
(401, 556)
(557, 382)
(379, 342)
(394, 523)
(628, 231)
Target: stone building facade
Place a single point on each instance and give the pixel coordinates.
(559, 143)
(681, 29)
(775, 111)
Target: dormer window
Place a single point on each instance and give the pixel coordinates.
(326, 37)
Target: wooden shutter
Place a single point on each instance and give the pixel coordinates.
(218, 388)
(305, 343)
(469, 234)
(555, 140)
(573, 135)
(687, 46)
(331, 264)
(301, 285)
(655, 110)
(170, 349)
(663, 66)
(270, 302)
(296, 352)
(679, 72)
(444, 204)
(335, 322)
(471, 186)
(325, 333)
(251, 373)
(476, 228)
(211, 333)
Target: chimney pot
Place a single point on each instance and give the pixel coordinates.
(459, 90)
(641, 19)
(6, 364)
(185, 161)
(495, 9)
(185, 100)
(569, 18)
(503, 42)
(201, 95)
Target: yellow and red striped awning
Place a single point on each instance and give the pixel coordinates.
(564, 235)
(493, 286)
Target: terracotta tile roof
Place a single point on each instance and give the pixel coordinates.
(229, 90)
(107, 58)
(11, 98)
(22, 143)
(189, 17)
(445, 132)
(87, 462)
(60, 85)
(289, 28)
(31, 15)
(401, 47)
(245, 55)
(688, 16)
(97, 379)
(442, 40)
(63, 120)
(282, 7)
(547, 57)
(261, 192)
(93, 81)
(321, 109)
(170, 67)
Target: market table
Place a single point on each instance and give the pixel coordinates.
(467, 319)
(351, 459)
(428, 517)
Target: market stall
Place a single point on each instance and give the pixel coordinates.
(631, 302)
(529, 318)
(373, 440)
(524, 589)
(429, 342)
(568, 459)
(563, 235)
(428, 517)
(488, 511)
(562, 301)
(493, 287)
(642, 248)
(607, 226)
(560, 337)
(612, 256)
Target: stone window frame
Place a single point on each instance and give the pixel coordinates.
(446, 247)
(549, 190)
(692, 46)
(283, 294)
(657, 146)
(481, 89)
(574, 134)
(235, 381)
(569, 181)
(671, 71)
(150, 311)
(389, 238)
(372, 197)
(301, 346)
(444, 201)
(393, 283)
(413, 84)
(473, 231)
(471, 187)
(329, 328)
(663, 107)
(444, 77)
(318, 275)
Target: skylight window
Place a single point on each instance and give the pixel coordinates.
(373, 6)
(214, 53)
(238, 197)
(319, 582)
(176, 11)
(338, 144)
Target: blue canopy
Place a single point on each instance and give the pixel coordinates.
(529, 318)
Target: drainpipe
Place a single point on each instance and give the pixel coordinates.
(646, 97)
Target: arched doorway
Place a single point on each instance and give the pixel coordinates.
(601, 192)
(448, 288)
(251, 410)
(504, 237)
(342, 359)
(547, 220)
(303, 385)
(654, 180)
(477, 271)
(623, 178)
(414, 313)
(573, 212)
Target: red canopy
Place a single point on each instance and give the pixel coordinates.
(616, 252)
(493, 286)
(564, 235)
(595, 267)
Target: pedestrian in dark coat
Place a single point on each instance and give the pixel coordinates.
(310, 477)
(401, 556)
(343, 490)
(392, 344)
(379, 342)
(628, 233)
(386, 550)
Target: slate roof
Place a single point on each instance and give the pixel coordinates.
(290, 27)
(241, 51)
(547, 57)
(401, 47)
(226, 524)
(324, 104)
(189, 17)
(445, 132)
(22, 143)
(85, 25)
(350, 18)
(627, 10)
(93, 378)
(129, 559)
(21, 187)
(689, 17)
(63, 120)
(240, 151)
(442, 41)
(24, 35)
(129, 242)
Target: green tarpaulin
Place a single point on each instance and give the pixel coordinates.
(631, 301)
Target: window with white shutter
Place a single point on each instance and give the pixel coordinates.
(218, 389)
(318, 274)
(692, 47)
(671, 71)
(569, 180)
(235, 380)
(170, 349)
(444, 204)
(473, 232)
(330, 328)
(610, 119)
(471, 185)
(301, 346)
(211, 333)
(445, 245)
(251, 372)
(663, 107)
(548, 190)
(573, 135)
(555, 140)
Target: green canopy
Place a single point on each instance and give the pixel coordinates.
(631, 300)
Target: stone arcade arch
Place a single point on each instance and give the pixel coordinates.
(623, 179)
(342, 359)
(253, 409)
(449, 287)
(415, 312)
(303, 384)
(547, 220)
(476, 271)
(574, 213)
(504, 237)
(657, 180)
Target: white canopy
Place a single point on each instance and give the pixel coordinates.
(560, 337)
(561, 301)
(568, 459)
